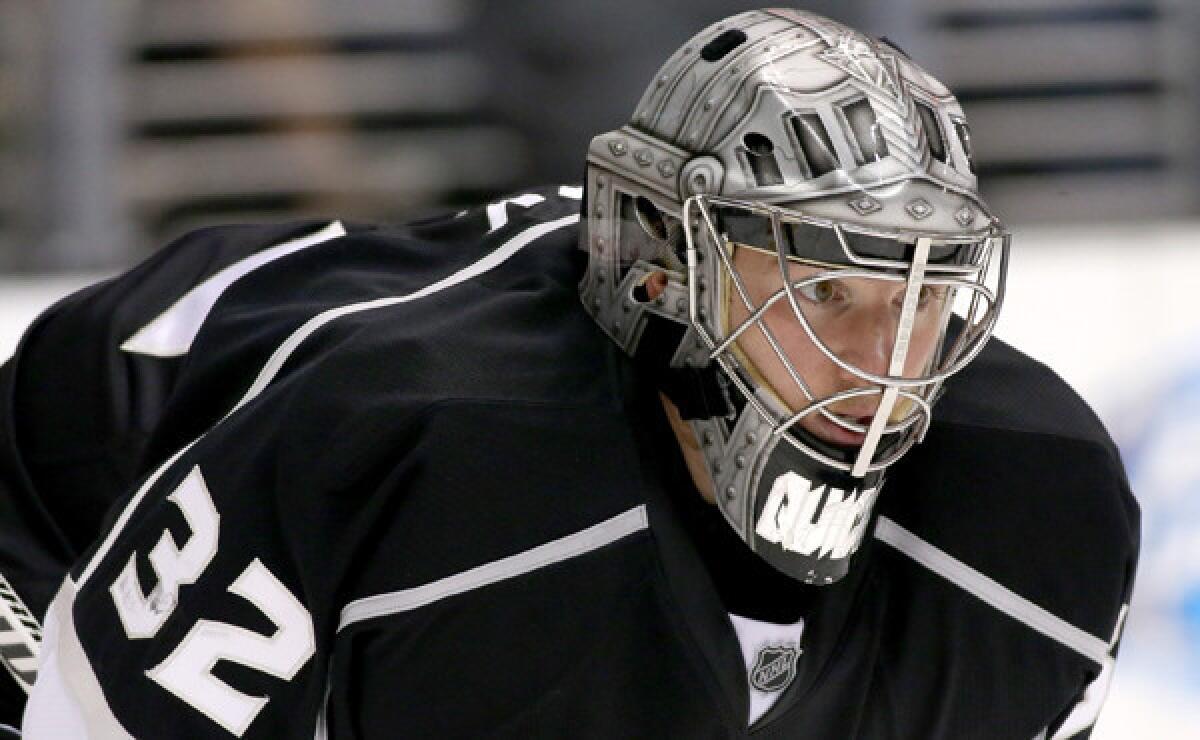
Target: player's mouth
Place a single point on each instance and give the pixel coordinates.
(834, 433)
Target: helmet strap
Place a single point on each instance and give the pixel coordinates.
(697, 392)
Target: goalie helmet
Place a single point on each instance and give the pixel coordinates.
(783, 133)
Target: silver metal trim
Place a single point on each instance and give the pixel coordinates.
(522, 563)
(908, 318)
(920, 391)
(990, 592)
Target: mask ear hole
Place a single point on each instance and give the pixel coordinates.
(652, 287)
(650, 219)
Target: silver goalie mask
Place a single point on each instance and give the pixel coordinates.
(808, 193)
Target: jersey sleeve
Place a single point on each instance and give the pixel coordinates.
(86, 388)
(1022, 489)
(217, 577)
(93, 374)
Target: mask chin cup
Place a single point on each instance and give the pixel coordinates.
(805, 518)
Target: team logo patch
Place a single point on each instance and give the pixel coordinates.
(774, 668)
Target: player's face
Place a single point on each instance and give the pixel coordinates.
(856, 318)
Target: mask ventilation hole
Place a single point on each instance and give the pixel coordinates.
(815, 143)
(650, 219)
(964, 136)
(722, 45)
(871, 145)
(933, 132)
(761, 154)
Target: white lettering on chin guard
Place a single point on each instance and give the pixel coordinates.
(821, 522)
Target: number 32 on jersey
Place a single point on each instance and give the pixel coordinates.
(187, 671)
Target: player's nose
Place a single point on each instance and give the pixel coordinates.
(864, 339)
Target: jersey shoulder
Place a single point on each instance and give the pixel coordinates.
(480, 304)
(1018, 479)
(456, 344)
(376, 300)
(401, 415)
(1006, 390)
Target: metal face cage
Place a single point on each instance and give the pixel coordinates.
(969, 268)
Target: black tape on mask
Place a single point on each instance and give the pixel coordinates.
(808, 518)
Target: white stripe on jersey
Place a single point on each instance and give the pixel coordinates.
(547, 554)
(285, 350)
(1087, 711)
(497, 213)
(992, 593)
(67, 701)
(555, 551)
(20, 636)
(172, 332)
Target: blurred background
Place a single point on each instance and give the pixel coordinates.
(124, 123)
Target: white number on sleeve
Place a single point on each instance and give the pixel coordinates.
(143, 615)
(187, 671)
(497, 212)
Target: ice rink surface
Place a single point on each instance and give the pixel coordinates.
(1116, 311)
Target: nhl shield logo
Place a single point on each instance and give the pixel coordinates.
(775, 668)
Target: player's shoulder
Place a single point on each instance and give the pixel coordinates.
(1006, 390)
(444, 377)
(1021, 414)
(441, 311)
(528, 215)
(1018, 479)
(360, 348)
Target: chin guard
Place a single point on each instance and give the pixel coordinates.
(802, 516)
(809, 519)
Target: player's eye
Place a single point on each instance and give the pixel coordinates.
(930, 296)
(819, 292)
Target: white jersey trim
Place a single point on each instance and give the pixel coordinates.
(550, 553)
(172, 332)
(991, 592)
(1087, 711)
(544, 555)
(490, 262)
(285, 350)
(67, 700)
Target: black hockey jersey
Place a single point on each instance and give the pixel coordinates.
(392, 481)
